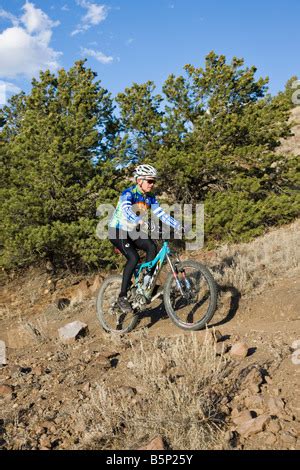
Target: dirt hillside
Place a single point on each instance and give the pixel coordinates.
(234, 386)
(48, 388)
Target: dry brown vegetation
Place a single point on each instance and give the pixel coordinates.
(175, 395)
(250, 267)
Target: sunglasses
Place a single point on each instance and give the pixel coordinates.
(150, 181)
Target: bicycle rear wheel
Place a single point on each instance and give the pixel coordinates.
(196, 307)
(109, 315)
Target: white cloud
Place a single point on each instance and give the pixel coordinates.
(95, 15)
(35, 20)
(65, 8)
(7, 89)
(24, 47)
(129, 41)
(9, 16)
(104, 59)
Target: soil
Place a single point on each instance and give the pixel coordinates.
(46, 382)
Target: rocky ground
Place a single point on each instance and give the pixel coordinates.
(48, 383)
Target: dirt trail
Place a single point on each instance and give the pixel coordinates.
(46, 381)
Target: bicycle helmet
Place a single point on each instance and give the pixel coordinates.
(145, 170)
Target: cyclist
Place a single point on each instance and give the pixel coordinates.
(125, 224)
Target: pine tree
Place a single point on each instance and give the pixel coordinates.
(141, 120)
(217, 137)
(61, 169)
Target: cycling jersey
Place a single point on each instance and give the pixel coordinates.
(124, 216)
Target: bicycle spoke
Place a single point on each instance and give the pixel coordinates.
(191, 308)
(114, 319)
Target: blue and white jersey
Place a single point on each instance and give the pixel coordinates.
(124, 216)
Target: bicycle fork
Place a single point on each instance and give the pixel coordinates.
(178, 284)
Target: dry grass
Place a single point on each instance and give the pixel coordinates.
(175, 398)
(255, 265)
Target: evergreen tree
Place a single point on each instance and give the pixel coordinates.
(141, 120)
(60, 169)
(217, 139)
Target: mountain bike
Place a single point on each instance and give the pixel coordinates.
(189, 293)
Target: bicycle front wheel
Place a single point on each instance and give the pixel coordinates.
(108, 313)
(192, 305)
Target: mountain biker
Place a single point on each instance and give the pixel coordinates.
(125, 223)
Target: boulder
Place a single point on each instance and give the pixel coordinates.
(242, 417)
(239, 350)
(254, 402)
(72, 331)
(253, 426)
(275, 406)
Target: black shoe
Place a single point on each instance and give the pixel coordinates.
(124, 305)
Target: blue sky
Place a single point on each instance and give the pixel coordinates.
(129, 41)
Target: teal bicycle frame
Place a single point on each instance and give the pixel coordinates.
(158, 262)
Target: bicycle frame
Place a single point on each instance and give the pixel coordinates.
(158, 262)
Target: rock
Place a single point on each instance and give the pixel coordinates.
(254, 380)
(254, 402)
(3, 361)
(275, 406)
(216, 335)
(130, 365)
(287, 438)
(242, 417)
(154, 444)
(242, 396)
(6, 392)
(45, 442)
(253, 426)
(269, 439)
(274, 426)
(295, 429)
(72, 331)
(239, 350)
(296, 344)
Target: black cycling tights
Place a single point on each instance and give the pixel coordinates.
(128, 248)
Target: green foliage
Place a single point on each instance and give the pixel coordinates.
(58, 166)
(213, 134)
(217, 144)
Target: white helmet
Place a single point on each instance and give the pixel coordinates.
(145, 170)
